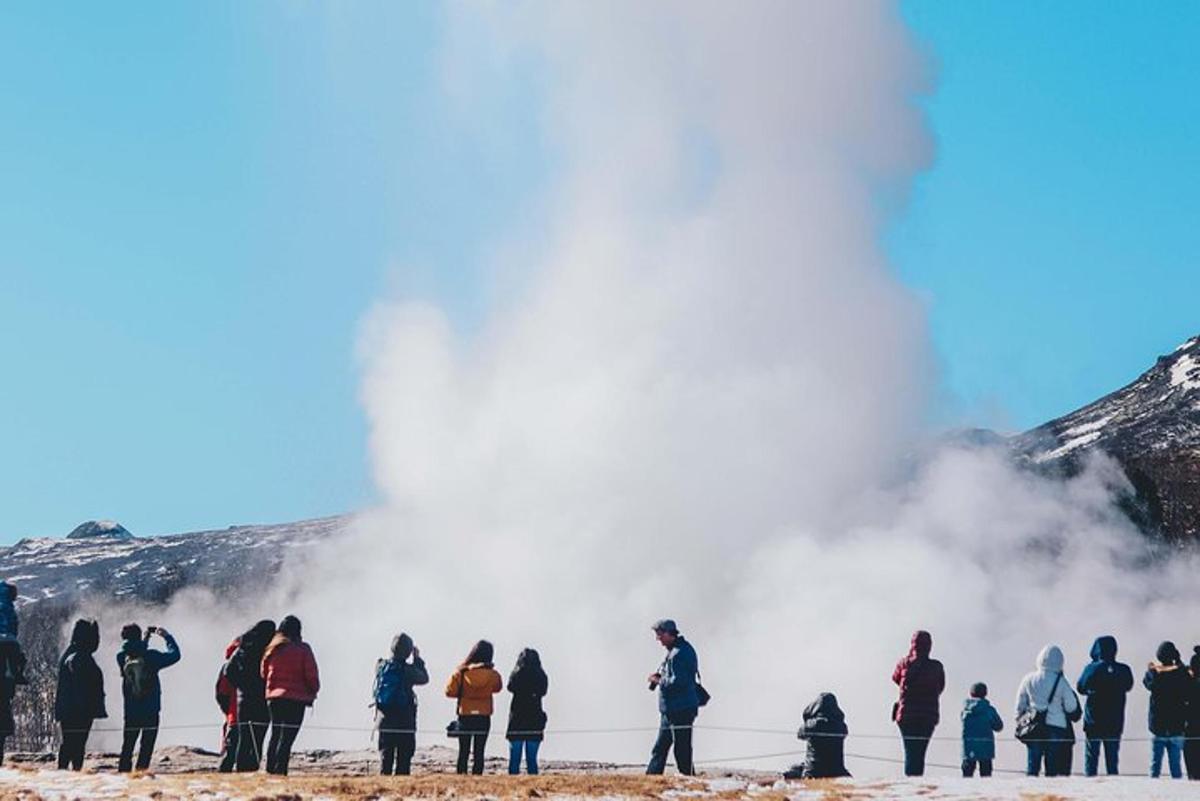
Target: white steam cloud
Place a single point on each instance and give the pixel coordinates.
(703, 402)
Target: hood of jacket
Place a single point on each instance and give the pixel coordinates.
(1104, 649)
(1050, 659)
(920, 646)
(85, 637)
(233, 646)
(1167, 653)
(826, 706)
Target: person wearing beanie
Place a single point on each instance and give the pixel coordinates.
(1191, 745)
(141, 690)
(1105, 683)
(396, 704)
(980, 722)
(1169, 684)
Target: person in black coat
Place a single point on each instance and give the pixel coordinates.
(824, 730)
(1191, 747)
(528, 684)
(79, 697)
(398, 712)
(1104, 682)
(244, 671)
(1170, 685)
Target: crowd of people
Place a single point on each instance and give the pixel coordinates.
(269, 677)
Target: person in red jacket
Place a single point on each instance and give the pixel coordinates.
(289, 670)
(226, 695)
(921, 680)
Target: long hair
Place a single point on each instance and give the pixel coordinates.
(527, 673)
(481, 654)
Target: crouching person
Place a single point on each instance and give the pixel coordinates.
(824, 730)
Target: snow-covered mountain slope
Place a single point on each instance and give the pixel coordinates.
(105, 559)
(1152, 428)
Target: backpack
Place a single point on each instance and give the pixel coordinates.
(137, 677)
(391, 690)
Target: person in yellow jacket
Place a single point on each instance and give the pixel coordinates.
(473, 684)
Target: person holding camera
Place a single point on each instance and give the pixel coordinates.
(396, 704)
(139, 665)
(678, 700)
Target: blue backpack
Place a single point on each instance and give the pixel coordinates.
(391, 690)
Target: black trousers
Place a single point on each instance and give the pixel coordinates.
(286, 717)
(144, 729)
(916, 743)
(968, 767)
(229, 746)
(674, 728)
(397, 742)
(472, 741)
(248, 737)
(1191, 756)
(74, 743)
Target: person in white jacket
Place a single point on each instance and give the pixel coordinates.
(1047, 689)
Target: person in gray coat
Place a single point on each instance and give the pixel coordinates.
(1046, 689)
(678, 700)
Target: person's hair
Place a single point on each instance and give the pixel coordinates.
(979, 690)
(290, 627)
(131, 631)
(481, 654)
(402, 647)
(528, 659)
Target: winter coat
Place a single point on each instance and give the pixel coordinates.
(1104, 682)
(824, 730)
(980, 722)
(225, 692)
(8, 611)
(526, 718)
(289, 670)
(677, 685)
(1170, 686)
(79, 695)
(477, 684)
(921, 681)
(1192, 727)
(1035, 689)
(244, 671)
(150, 705)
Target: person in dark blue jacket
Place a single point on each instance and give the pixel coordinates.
(1169, 684)
(678, 700)
(79, 696)
(980, 722)
(1104, 682)
(139, 665)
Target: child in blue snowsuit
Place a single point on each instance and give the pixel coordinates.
(980, 722)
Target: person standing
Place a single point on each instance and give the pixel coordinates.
(528, 684)
(1104, 682)
(289, 672)
(1170, 685)
(396, 704)
(142, 691)
(79, 695)
(678, 700)
(473, 684)
(980, 722)
(1191, 746)
(226, 697)
(1045, 690)
(921, 680)
(244, 671)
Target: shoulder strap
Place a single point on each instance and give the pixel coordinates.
(1054, 689)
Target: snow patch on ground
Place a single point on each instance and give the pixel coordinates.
(1186, 373)
(1068, 446)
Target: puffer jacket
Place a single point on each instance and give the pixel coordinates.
(1035, 689)
(1105, 683)
(921, 680)
(1169, 684)
(980, 722)
(289, 670)
(477, 684)
(824, 730)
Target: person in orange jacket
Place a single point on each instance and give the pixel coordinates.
(289, 670)
(474, 683)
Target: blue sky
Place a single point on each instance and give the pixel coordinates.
(198, 202)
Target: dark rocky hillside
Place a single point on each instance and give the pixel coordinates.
(1152, 428)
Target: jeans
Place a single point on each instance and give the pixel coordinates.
(286, 717)
(968, 768)
(530, 747)
(1091, 755)
(1054, 752)
(147, 730)
(674, 728)
(74, 743)
(472, 741)
(1174, 748)
(916, 743)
